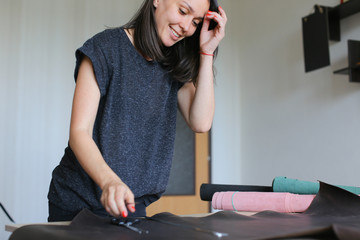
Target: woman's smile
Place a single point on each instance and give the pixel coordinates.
(175, 34)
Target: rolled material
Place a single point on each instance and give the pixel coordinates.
(261, 201)
(207, 190)
(284, 184)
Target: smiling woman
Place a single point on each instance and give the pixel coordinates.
(178, 19)
(148, 31)
(130, 81)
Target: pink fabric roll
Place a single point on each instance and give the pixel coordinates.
(261, 201)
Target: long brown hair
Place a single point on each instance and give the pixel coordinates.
(182, 60)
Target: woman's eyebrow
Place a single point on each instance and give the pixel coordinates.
(189, 6)
(192, 10)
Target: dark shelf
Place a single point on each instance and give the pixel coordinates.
(335, 14)
(354, 62)
(323, 26)
(344, 71)
(345, 10)
(347, 70)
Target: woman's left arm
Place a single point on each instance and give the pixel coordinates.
(197, 103)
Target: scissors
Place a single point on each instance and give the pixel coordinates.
(127, 223)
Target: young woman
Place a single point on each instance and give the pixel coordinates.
(129, 83)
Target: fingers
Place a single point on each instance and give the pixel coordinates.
(120, 201)
(222, 14)
(206, 22)
(129, 202)
(126, 202)
(117, 200)
(220, 18)
(114, 208)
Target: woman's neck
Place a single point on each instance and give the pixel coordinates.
(130, 33)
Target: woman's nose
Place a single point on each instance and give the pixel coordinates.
(186, 24)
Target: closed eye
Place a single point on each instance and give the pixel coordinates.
(182, 12)
(196, 23)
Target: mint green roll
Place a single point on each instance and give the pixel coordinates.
(284, 184)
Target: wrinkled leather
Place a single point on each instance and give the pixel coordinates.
(334, 214)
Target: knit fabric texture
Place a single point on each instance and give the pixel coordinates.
(134, 127)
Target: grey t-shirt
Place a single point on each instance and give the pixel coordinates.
(134, 127)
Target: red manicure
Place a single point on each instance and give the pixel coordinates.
(124, 214)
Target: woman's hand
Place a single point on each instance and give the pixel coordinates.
(117, 198)
(210, 39)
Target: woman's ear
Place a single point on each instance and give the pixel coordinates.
(156, 3)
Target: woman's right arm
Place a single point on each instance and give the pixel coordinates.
(116, 196)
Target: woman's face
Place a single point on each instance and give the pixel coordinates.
(177, 19)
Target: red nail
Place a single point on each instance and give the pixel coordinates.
(124, 214)
(220, 7)
(133, 208)
(208, 15)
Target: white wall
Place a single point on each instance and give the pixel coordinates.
(272, 119)
(38, 39)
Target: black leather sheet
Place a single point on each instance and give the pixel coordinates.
(334, 214)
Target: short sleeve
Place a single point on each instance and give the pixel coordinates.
(96, 50)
